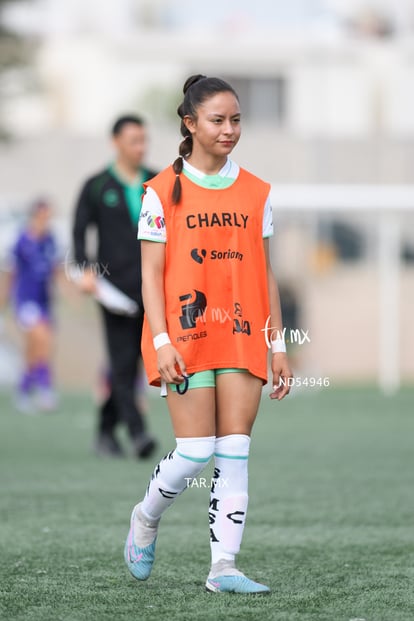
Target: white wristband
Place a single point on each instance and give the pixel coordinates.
(278, 346)
(161, 339)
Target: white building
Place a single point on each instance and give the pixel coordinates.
(297, 65)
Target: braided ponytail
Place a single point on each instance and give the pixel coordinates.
(186, 146)
(185, 149)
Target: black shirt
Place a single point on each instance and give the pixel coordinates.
(102, 204)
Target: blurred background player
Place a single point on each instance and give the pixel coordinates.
(34, 267)
(110, 202)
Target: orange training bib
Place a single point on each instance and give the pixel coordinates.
(216, 293)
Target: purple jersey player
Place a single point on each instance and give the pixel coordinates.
(34, 268)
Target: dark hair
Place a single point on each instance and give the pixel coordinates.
(197, 89)
(38, 204)
(120, 123)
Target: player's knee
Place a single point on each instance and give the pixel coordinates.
(233, 446)
(196, 451)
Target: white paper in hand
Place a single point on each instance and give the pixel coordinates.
(113, 299)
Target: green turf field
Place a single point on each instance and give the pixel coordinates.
(330, 526)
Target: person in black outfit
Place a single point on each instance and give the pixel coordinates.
(111, 202)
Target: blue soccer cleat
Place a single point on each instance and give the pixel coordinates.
(140, 560)
(225, 578)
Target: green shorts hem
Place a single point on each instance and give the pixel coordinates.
(206, 379)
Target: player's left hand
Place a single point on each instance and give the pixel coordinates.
(281, 373)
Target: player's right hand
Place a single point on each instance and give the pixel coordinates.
(168, 361)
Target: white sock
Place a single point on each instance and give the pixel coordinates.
(145, 530)
(171, 476)
(229, 497)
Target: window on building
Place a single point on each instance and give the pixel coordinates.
(263, 100)
(407, 252)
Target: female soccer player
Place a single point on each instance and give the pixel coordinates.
(35, 264)
(208, 290)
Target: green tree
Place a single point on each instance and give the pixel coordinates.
(15, 53)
